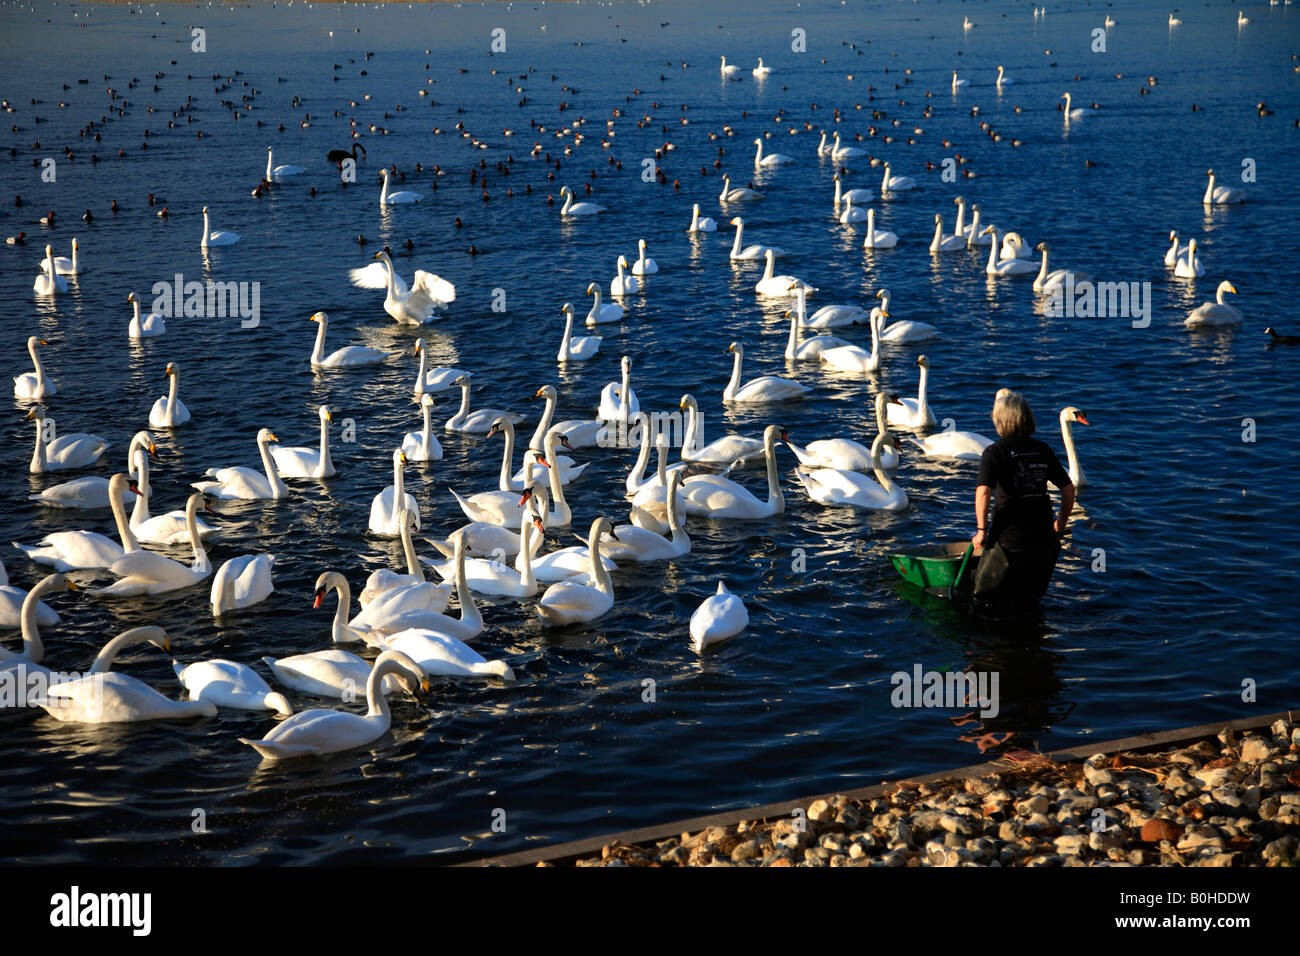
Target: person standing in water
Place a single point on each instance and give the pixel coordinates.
(1013, 509)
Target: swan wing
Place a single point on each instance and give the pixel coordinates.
(434, 288)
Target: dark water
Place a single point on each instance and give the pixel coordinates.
(1197, 594)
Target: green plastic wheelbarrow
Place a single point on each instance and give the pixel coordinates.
(938, 568)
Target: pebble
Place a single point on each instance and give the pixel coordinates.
(1234, 804)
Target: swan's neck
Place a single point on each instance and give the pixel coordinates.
(326, 464)
(994, 247)
(692, 440)
(726, 185)
(771, 263)
(921, 389)
(801, 305)
(598, 571)
(508, 456)
(837, 190)
(568, 333)
(526, 576)
(675, 525)
(426, 436)
(206, 229)
(871, 227)
(735, 246)
(108, 653)
(792, 346)
(135, 303)
(881, 400)
(225, 599)
(543, 426)
(200, 564)
(268, 164)
(38, 454)
(318, 353)
(378, 703)
(974, 229)
(568, 201)
(1042, 272)
(958, 228)
(882, 476)
(695, 218)
(33, 646)
(938, 235)
(735, 376)
(775, 498)
(464, 402)
(873, 363)
(399, 485)
(391, 290)
(560, 514)
(636, 477)
(129, 542)
(140, 513)
(278, 488)
(339, 630)
(36, 357)
(1071, 455)
(758, 157)
(408, 550)
(623, 390)
(469, 612)
(172, 392)
(383, 197)
(661, 470)
(1209, 194)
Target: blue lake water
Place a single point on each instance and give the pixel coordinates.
(1197, 594)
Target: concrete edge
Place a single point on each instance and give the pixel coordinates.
(567, 852)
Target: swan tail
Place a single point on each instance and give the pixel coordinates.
(277, 751)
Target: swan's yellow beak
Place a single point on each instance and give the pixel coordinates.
(539, 392)
(153, 449)
(884, 313)
(1232, 288)
(272, 437)
(404, 458)
(43, 342)
(329, 416)
(73, 586)
(167, 644)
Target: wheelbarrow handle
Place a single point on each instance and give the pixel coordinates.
(952, 589)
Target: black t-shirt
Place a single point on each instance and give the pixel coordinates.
(1020, 469)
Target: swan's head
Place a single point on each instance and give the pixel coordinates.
(883, 296)
(419, 346)
(37, 413)
(684, 403)
(172, 369)
(593, 289)
(146, 635)
(622, 262)
(326, 581)
(937, 218)
(737, 348)
(1173, 235)
(546, 391)
(426, 400)
(1072, 414)
(1191, 247)
(382, 256)
(265, 435)
(922, 361)
(1226, 286)
(383, 173)
(320, 317)
(640, 244)
(407, 672)
(130, 297)
(205, 210)
(772, 434)
(737, 221)
(327, 416)
(567, 309)
(626, 363)
(988, 229)
(462, 381)
(1041, 247)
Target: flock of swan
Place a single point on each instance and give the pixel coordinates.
(403, 613)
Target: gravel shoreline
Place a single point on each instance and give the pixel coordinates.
(1234, 801)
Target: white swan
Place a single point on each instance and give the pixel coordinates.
(479, 421)
(756, 251)
(386, 507)
(618, 402)
(1174, 21)
(276, 173)
(631, 543)
(720, 617)
(62, 264)
(623, 284)
(878, 239)
(334, 673)
(1242, 19)
(844, 152)
(914, 412)
(36, 385)
(470, 623)
(144, 572)
(894, 184)
(1014, 247)
(780, 286)
(427, 295)
(950, 443)
(494, 577)
(567, 602)
(388, 612)
(169, 411)
(959, 227)
(1005, 267)
(442, 655)
(844, 454)
(1221, 195)
(739, 194)
(942, 243)
(167, 529)
(904, 331)
(13, 605)
(87, 550)
(644, 265)
(608, 312)
(434, 380)
(761, 71)
(241, 582)
(571, 208)
(49, 282)
(701, 223)
(1075, 114)
(823, 148)
(64, 453)
(565, 467)
(302, 462)
(1175, 251)
(771, 159)
(403, 198)
(1216, 314)
(714, 497)
(1045, 279)
(230, 685)
(853, 358)
(348, 357)
(423, 445)
(958, 83)
(811, 348)
(975, 236)
(574, 432)
(829, 486)
(576, 348)
(851, 215)
(856, 195)
(1069, 415)
(245, 484)
(765, 388)
(151, 325)
(107, 697)
(211, 238)
(723, 451)
(325, 731)
(382, 580)
(729, 69)
(1190, 266)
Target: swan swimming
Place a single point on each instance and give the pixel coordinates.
(244, 484)
(169, 411)
(701, 224)
(350, 356)
(405, 197)
(152, 324)
(1216, 314)
(749, 252)
(765, 388)
(721, 617)
(571, 208)
(36, 385)
(1221, 195)
(211, 238)
(303, 462)
(49, 282)
(67, 452)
